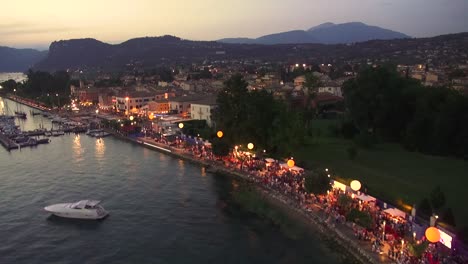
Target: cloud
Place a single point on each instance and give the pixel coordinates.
(13, 29)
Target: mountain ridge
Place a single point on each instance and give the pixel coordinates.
(149, 52)
(325, 33)
(19, 60)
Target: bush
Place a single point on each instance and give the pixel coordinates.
(317, 183)
(425, 208)
(220, 148)
(363, 219)
(448, 217)
(437, 198)
(417, 250)
(344, 201)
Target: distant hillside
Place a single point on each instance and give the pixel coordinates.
(326, 33)
(168, 50)
(19, 60)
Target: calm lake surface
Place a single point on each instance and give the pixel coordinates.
(162, 209)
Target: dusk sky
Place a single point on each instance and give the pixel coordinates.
(33, 23)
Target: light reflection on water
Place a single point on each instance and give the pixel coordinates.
(77, 149)
(100, 149)
(163, 209)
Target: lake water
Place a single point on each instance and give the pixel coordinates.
(162, 209)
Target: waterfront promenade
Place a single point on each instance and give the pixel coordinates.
(313, 217)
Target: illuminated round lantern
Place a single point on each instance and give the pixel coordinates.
(433, 234)
(291, 163)
(151, 116)
(355, 185)
(219, 134)
(181, 125)
(131, 118)
(250, 146)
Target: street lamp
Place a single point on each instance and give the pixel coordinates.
(432, 234)
(355, 185)
(126, 105)
(131, 118)
(383, 233)
(250, 146)
(181, 125)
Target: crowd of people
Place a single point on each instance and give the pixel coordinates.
(387, 235)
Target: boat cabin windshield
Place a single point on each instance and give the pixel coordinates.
(85, 204)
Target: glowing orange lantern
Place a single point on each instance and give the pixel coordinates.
(291, 163)
(250, 146)
(220, 134)
(355, 185)
(181, 125)
(433, 235)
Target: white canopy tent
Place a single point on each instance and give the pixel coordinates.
(395, 212)
(339, 185)
(297, 169)
(294, 168)
(366, 198)
(269, 160)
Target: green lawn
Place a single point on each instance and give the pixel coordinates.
(392, 173)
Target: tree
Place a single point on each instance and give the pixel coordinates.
(425, 207)
(417, 250)
(457, 73)
(344, 201)
(398, 109)
(312, 82)
(448, 217)
(317, 183)
(256, 117)
(437, 198)
(381, 101)
(220, 147)
(9, 86)
(361, 218)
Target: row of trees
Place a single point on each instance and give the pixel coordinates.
(432, 120)
(43, 86)
(257, 117)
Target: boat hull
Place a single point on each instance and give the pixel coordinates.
(64, 210)
(72, 216)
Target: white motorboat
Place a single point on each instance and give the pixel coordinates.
(91, 132)
(100, 134)
(84, 209)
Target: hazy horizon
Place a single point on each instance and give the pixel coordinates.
(35, 24)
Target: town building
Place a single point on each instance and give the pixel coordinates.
(182, 105)
(203, 110)
(133, 102)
